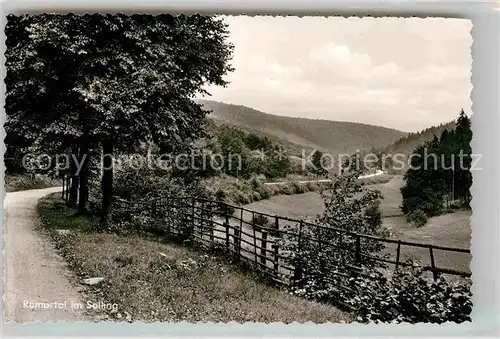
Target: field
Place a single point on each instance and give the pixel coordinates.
(154, 281)
(451, 229)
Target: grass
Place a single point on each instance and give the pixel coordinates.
(451, 229)
(154, 281)
(245, 191)
(379, 179)
(15, 183)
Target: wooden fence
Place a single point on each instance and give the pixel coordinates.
(210, 223)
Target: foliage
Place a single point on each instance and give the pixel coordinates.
(137, 266)
(14, 183)
(299, 134)
(440, 168)
(407, 144)
(245, 154)
(260, 220)
(132, 76)
(318, 165)
(409, 297)
(406, 296)
(323, 254)
(373, 214)
(417, 217)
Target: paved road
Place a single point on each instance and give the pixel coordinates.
(379, 172)
(34, 273)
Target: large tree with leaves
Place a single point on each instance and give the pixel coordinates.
(108, 82)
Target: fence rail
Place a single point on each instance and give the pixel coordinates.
(212, 222)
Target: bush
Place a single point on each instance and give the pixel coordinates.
(256, 196)
(242, 198)
(312, 187)
(427, 200)
(409, 297)
(373, 214)
(223, 206)
(260, 220)
(417, 218)
(286, 189)
(264, 193)
(255, 182)
(14, 183)
(405, 297)
(298, 188)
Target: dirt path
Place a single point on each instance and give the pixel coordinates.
(33, 272)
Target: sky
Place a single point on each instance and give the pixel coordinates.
(403, 73)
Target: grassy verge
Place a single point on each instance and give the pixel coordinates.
(379, 179)
(245, 191)
(154, 281)
(15, 183)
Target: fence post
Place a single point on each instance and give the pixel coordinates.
(63, 188)
(255, 244)
(263, 249)
(211, 223)
(191, 226)
(68, 183)
(236, 243)
(202, 220)
(358, 250)
(168, 215)
(398, 253)
(276, 260)
(193, 202)
(297, 271)
(435, 274)
(153, 207)
(277, 225)
(226, 225)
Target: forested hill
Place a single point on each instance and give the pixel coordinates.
(408, 143)
(331, 136)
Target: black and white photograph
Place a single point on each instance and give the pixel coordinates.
(219, 168)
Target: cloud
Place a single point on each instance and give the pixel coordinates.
(401, 73)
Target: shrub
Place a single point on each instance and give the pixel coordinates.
(312, 187)
(409, 297)
(298, 188)
(264, 193)
(428, 200)
(405, 297)
(345, 205)
(273, 190)
(255, 182)
(256, 196)
(222, 206)
(373, 214)
(417, 218)
(95, 198)
(14, 183)
(242, 198)
(286, 189)
(260, 220)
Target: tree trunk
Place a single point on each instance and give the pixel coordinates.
(107, 181)
(73, 190)
(83, 175)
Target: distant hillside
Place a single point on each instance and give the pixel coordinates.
(330, 136)
(405, 145)
(408, 143)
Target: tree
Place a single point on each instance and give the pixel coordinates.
(440, 168)
(318, 165)
(112, 81)
(325, 254)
